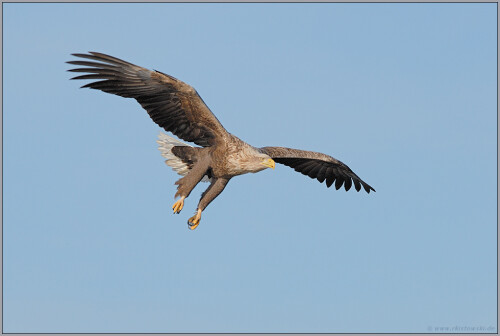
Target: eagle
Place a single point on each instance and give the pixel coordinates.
(219, 155)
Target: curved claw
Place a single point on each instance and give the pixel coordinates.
(194, 221)
(177, 207)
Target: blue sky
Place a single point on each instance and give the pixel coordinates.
(405, 94)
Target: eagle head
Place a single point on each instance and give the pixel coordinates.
(268, 162)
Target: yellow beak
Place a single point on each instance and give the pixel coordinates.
(269, 163)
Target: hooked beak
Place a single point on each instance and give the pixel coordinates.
(269, 163)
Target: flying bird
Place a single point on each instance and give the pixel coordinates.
(219, 155)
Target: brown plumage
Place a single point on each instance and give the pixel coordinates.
(176, 107)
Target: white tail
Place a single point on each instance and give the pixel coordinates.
(166, 143)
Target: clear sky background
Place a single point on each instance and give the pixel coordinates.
(405, 94)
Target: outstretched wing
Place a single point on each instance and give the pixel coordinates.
(171, 103)
(319, 166)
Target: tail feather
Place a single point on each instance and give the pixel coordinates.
(166, 143)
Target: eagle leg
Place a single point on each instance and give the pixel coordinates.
(187, 183)
(194, 221)
(177, 207)
(215, 188)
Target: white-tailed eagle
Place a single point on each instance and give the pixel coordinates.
(176, 107)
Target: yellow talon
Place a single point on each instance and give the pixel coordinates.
(177, 207)
(193, 226)
(194, 221)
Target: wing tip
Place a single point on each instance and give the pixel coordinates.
(88, 85)
(81, 54)
(368, 188)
